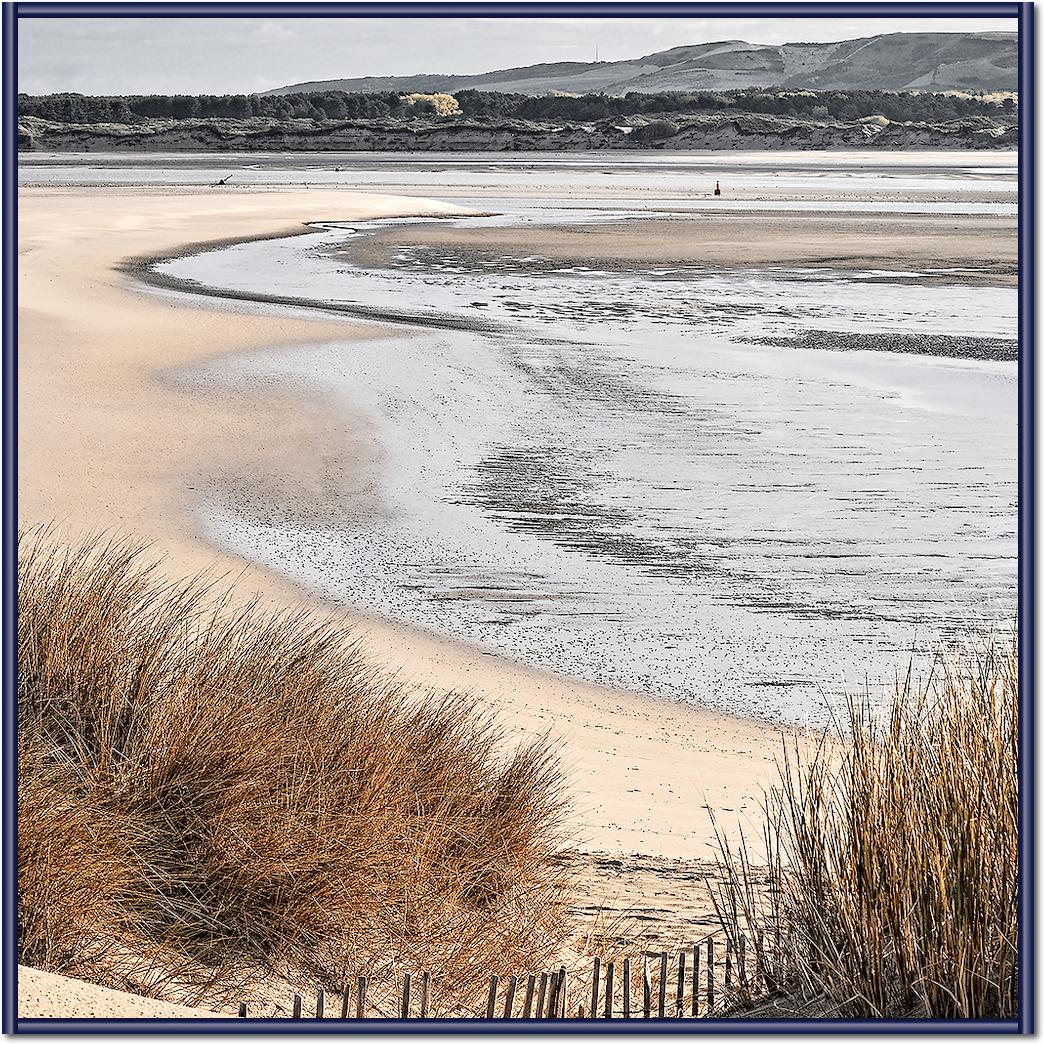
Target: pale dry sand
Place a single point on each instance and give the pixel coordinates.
(108, 442)
(44, 995)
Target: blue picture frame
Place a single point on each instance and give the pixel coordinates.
(1021, 13)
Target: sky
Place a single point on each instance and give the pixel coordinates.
(244, 55)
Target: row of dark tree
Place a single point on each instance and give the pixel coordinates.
(328, 105)
(339, 105)
(845, 105)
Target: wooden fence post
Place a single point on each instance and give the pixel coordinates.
(406, 995)
(627, 988)
(297, 1005)
(527, 1010)
(425, 994)
(741, 960)
(540, 996)
(562, 989)
(509, 1000)
(491, 1000)
(554, 995)
(728, 965)
(320, 1004)
(346, 1000)
(646, 987)
(360, 998)
(710, 976)
(663, 986)
(680, 999)
(696, 980)
(595, 983)
(242, 1009)
(609, 990)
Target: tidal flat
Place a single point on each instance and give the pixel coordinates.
(754, 486)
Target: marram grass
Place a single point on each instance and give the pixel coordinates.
(213, 794)
(891, 883)
(210, 793)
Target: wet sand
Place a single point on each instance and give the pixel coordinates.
(663, 493)
(978, 249)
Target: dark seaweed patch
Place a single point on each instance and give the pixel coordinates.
(995, 349)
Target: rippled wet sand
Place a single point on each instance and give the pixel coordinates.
(659, 479)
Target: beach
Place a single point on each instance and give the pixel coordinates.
(107, 444)
(44, 995)
(518, 519)
(114, 440)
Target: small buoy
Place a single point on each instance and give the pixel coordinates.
(717, 188)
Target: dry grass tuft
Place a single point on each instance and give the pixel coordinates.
(208, 793)
(891, 885)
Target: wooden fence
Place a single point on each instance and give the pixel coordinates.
(705, 979)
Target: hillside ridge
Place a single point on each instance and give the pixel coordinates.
(889, 61)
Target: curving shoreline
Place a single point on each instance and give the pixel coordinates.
(111, 439)
(777, 600)
(111, 443)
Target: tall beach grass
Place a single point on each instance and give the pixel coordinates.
(211, 793)
(890, 882)
(214, 796)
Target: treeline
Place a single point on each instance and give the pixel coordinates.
(328, 105)
(340, 105)
(842, 105)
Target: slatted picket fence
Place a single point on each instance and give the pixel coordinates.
(688, 984)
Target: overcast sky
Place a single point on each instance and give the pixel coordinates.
(242, 55)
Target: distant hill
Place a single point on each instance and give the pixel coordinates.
(894, 62)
